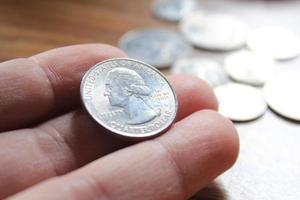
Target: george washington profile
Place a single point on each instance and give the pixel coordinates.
(125, 88)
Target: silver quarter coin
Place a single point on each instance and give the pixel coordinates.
(214, 31)
(206, 69)
(157, 46)
(240, 102)
(129, 98)
(282, 94)
(249, 67)
(274, 42)
(173, 10)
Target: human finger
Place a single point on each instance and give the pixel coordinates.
(72, 140)
(174, 166)
(193, 94)
(36, 88)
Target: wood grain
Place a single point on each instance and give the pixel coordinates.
(268, 167)
(29, 27)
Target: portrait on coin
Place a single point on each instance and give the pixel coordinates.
(126, 89)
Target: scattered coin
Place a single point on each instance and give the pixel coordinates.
(208, 70)
(173, 10)
(157, 46)
(282, 94)
(240, 102)
(274, 42)
(214, 31)
(129, 98)
(249, 67)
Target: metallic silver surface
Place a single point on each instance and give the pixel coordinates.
(274, 42)
(240, 102)
(206, 69)
(129, 98)
(214, 31)
(249, 67)
(282, 94)
(157, 46)
(173, 10)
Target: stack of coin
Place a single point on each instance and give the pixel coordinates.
(207, 69)
(274, 42)
(240, 102)
(248, 69)
(259, 67)
(157, 46)
(282, 94)
(173, 10)
(217, 32)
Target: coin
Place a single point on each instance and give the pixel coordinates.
(282, 94)
(240, 102)
(274, 42)
(129, 98)
(214, 31)
(208, 70)
(250, 68)
(173, 10)
(157, 46)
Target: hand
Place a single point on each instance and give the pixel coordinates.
(49, 142)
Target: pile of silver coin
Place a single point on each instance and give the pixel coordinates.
(250, 77)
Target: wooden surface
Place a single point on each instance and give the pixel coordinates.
(268, 167)
(29, 27)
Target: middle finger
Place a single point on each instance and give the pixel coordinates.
(72, 140)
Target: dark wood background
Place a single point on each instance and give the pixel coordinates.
(268, 167)
(28, 27)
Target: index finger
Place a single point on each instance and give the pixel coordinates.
(36, 88)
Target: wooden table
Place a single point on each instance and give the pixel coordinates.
(268, 167)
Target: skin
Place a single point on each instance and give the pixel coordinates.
(50, 149)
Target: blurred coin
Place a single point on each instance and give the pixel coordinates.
(173, 10)
(248, 67)
(208, 70)
(240, 102)
(129, 98)
(282, 94)
(157, 46)
(214, 31)
(274, 42)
